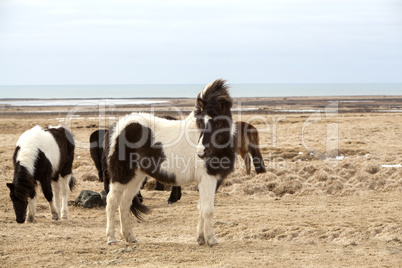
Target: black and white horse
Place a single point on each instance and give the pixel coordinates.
(44, 155)
(96, 149)
(200, 149)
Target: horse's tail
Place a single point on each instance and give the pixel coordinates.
(254, 142)
(71, 183)
(137, 208)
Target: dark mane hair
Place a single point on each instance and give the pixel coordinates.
(24, 183)
(214, 99)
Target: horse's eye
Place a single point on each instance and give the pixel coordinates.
(218, 124)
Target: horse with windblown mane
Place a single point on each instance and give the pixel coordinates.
(143, 144)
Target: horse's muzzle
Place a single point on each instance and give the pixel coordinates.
(202, 156)
(20, 220)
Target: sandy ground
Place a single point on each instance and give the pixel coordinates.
(310, 209)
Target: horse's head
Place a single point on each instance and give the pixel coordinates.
(214, 119)
(20, 202)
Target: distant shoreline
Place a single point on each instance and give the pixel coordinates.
(189, 98)
(249, 105)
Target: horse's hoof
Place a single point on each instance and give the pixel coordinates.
(131, 240)
(201, 240)
(212, 242)
(55, 217)
(31, 219)
(111, 243)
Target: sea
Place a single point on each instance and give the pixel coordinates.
(40, 95)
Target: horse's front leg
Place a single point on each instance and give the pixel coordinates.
(113, 200)
(48, 193)
(31, 209)
(124, 209)
(200, 228)
(205, 232)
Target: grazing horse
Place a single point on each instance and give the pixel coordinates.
(200, 149)
(248, 143)
(42, 155)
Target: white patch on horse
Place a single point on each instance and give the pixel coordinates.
(200, 147)
(206, 119)
(179, 139)
(233, 129)
(29, 143)
(55, 127)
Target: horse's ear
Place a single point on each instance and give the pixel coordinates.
(201, 103)
(10, 186)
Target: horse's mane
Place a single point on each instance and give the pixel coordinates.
(214, 99)
(23, 182)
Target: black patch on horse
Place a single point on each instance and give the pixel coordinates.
(132, 152)
(65, 140)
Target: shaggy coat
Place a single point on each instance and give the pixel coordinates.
(45, 156)
(200, 149)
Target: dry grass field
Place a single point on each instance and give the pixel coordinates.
(327, 200)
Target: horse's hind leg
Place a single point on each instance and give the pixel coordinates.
(246, 158)
(175, 195)
(113, 200)
(63, 195)
(247, 163)
(130, 191)
(56, 192)
(205, 232)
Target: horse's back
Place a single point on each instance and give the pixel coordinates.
(33, 140)
(176, 154)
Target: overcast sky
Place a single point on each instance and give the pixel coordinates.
(155, 42)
